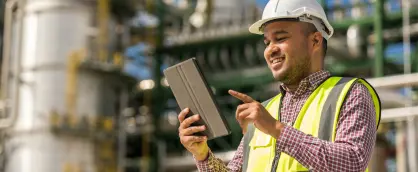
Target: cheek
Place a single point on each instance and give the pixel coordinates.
(266, 52)
(288, 53)
(284, 48)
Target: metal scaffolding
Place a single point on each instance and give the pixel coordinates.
(376, 67)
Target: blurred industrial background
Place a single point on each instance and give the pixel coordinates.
(82, 88)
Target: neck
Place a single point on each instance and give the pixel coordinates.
(293, 86)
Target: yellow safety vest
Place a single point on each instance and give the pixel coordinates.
(318, 117)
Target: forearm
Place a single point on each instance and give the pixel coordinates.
(320, 155)
(213, 164)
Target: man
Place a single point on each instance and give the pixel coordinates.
(316, 122)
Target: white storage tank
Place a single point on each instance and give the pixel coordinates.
(44, 34)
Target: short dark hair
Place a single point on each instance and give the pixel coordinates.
(311, 29)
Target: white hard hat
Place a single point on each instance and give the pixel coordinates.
(305, 10)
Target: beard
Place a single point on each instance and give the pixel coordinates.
(295, 73)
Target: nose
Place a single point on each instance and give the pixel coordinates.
(273, 51)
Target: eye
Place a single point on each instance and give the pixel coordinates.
(281, 39)
(267, 43)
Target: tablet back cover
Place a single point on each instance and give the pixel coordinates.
(191, 90)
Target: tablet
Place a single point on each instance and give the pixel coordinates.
(191, 90)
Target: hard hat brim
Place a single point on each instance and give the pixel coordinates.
(255, 28)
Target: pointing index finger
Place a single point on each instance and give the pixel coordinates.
(243, 97)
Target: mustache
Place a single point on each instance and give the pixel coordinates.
(276, 57)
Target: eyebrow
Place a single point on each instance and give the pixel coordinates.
(277, 33)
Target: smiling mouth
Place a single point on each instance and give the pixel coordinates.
(276, 60)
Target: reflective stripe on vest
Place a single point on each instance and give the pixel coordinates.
(318, 117)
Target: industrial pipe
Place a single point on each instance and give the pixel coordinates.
(379, 45)
(10, 39)
(103, 19)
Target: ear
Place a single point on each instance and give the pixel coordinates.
(317, 41)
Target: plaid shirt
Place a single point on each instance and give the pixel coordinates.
(352, 149)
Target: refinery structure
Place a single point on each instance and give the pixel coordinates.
(82, 84)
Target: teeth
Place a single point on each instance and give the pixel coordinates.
(277, 60)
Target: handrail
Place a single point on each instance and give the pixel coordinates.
(74, 60)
